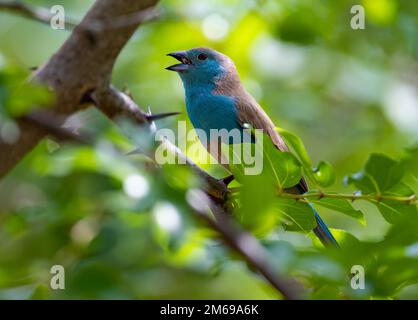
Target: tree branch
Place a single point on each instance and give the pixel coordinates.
(51, 123)
(239, 240)
(244, 243)
(114, 103)
(83, 63)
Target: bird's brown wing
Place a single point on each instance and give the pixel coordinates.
(250, 112)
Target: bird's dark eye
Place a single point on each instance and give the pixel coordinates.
(202, 56)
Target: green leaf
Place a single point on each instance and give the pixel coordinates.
(340, 205)
(384, 170)
(283, 167)
(296, 215)
(391, 210)
(380, 174)
(296, 143)
(257, 198)
(324, 174)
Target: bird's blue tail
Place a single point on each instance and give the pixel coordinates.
(322, 231)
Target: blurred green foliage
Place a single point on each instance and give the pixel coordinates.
(122, 228)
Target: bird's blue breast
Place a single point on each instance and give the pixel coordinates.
(208, 110)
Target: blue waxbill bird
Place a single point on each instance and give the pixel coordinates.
(216, 99)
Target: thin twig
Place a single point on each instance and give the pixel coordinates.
(43, 15)
(35, 13)
(412, 199)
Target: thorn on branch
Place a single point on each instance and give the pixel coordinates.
(153, 117)
(227, 180)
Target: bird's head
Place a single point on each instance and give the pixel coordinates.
(202, 66)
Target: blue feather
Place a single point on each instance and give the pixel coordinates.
(322, 231)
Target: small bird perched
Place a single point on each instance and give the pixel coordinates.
(216, 99)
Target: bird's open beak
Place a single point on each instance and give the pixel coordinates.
(182, 57)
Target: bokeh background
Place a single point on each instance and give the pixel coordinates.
(122, 229)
